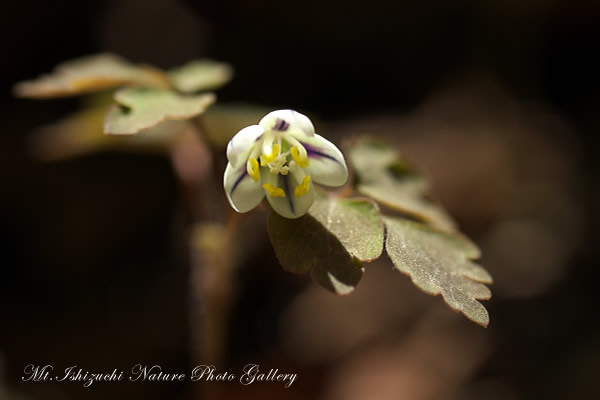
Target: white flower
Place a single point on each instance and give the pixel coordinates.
(281, 157)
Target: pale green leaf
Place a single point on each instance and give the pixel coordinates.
(200, 75)
(440, 263)
(407, 195)
(384, 176)
(92, 73)
(304, 245)
(370, 157)
(142, 108)
(82, 133)
(355, 222)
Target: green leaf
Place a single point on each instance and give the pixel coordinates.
(304, 245)
(200, 75)
(355, 222)
(440, 263)
(92, 73)
(384, 176)
(142, 108)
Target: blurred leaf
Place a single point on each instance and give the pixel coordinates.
(355, 222)
(383, 175)
(200, 75)
(222, 121)
(439, 263)
(407, 196)
(88, 74)
(75, 135)
(82, 133)
(304, 245)
(370, 157)
(143, 108)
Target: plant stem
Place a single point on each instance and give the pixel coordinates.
(212, 230)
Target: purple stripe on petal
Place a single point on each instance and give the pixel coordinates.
(313, 152)
(284, 179)
(281, 125)
(237, 182)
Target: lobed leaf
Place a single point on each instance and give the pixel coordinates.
(355, 222)
(142, 108)
(200, 75)
(304, 245)
(384, 176)
(440, 263)
(88, 74)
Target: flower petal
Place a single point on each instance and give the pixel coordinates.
(327, 165)
(289, 206)
(288, 121)
(242, 192)
(239, 147)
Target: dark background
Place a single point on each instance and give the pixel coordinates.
(93, 265)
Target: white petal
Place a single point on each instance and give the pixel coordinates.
(294, 122)
(239, 147)
(242, 192)
(326, 162)
(289, 206)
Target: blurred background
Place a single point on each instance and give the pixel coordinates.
(497, 102)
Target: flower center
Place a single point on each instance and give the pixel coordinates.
(278, 165)
(279, 162)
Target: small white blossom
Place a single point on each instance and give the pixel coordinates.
(281, 157)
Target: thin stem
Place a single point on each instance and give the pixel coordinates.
(213, 229)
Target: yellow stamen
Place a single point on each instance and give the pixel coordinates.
(303, 188)
(253, 170)
(301, 158)
(265, 159)
(273, 191)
